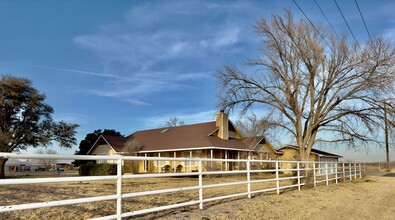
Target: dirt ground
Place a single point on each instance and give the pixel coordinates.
(368, 198)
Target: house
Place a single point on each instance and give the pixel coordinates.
(217, 139)
(17, 166)
(291, 153)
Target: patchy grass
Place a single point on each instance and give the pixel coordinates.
(369, 198)
(361, 199)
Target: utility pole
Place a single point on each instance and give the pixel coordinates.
(387, 148)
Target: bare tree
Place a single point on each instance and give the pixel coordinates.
(319, 87)
(48, 163)
(251, 126)
(132, 147)
(174, 122)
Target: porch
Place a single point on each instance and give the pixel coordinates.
(170, 166)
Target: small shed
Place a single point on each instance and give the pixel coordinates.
(291, 153)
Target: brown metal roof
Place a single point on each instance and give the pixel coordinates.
(188, 136)
(177, 138)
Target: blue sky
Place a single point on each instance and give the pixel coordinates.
(130, 65)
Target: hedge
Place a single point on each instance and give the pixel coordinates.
(97, 169)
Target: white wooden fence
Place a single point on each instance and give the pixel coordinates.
(324, 172)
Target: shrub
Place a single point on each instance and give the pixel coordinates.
(97, 169)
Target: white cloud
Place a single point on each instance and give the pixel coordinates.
(136, 102)
(105, 75)
(227, 37)
(390, 34)
(71, 118)
(164, 47)
(177, 48)
(143, 84)
(188, 118)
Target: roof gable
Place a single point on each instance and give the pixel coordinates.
(115, 142)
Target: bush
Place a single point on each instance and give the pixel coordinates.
(97, 169)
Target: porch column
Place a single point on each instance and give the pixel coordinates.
(238, 158)
(190, 162)
(221, 158)
(157, 164)
(226, 162)
(145, 164)
(174, 163)
(211, 163)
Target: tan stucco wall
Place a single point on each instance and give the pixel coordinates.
(267, 149)
(293, 155)
(103, 149)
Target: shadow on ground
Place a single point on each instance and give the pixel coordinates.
(382, 174)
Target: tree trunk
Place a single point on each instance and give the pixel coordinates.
(309, 180)
(308, 174)
(2, 166)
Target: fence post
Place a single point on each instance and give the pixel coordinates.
(355, 170)
(326, 173)
(344, 173)
(336, 173)
(350, 167)
(360, 171)
(314, 177)
(277, 180)
(249, 176)
(119, 189)
(298, 167)
(200, 185)
(379, 167)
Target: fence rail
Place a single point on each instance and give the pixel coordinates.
(294, 171)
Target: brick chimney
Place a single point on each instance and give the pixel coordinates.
(222, 123)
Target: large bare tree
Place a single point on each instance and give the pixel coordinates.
(320, 87)
(252, 125)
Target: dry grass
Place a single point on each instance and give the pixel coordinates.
(371, 197)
